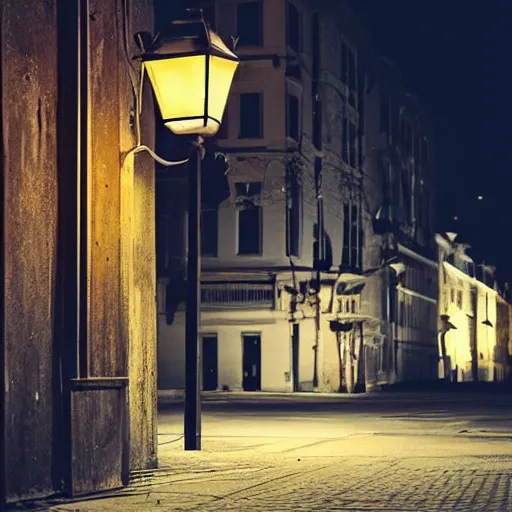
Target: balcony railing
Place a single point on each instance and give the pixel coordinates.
(237, 295)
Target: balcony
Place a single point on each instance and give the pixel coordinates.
(233, 295)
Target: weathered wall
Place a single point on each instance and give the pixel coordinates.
(456, 300)
(29, 97)
(453, 287)
(229, 326)
(121, 327)
(106, 352)
(138, 256)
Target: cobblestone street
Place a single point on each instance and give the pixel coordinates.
(321, 484)
(394, 454)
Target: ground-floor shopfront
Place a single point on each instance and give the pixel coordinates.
(344, 346)
(256, 350)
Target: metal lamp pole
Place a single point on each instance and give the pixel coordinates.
(192, 427)
(166, 59)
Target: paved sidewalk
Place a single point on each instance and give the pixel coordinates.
(455, 391)
(360, 473)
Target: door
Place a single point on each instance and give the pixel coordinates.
(295, 356)
(210, 363)
(252, 362)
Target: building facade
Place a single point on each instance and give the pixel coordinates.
(401, 192)
(318, 269)
(474, 340)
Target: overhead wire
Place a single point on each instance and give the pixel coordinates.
(136, 80)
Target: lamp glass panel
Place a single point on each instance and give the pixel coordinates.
(222, 72)
(194, 126)
(179, 87)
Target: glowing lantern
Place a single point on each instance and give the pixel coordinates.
(191, 71)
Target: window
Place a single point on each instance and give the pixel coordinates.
(401, 312)
(349, 71)
(349, 137)
(344, 63)
(403, 135)
(317, 123)
(251, 116)
(249, 218)
(294, 28)
(171, 227)
(352, 134)
(387, 182)
(352, 255)
(406, 138)
(209, 232)
(406, 194)
(424, 152)
(459, 299)
(344, 140)
(249, 23)
(409, 139)
(237, 294)
(352, 79)
(293, 217)
(292, 125)
(416, 149)
(384, 113)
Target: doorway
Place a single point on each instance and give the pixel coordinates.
(295, 356)
(210, 362)
(251, 362)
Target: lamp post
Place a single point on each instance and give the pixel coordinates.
(191, 71)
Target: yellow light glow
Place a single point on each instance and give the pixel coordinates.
(222, 72)
(179, 86)
(191, 71)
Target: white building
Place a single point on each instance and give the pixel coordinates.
(305, 187)
(468, 307)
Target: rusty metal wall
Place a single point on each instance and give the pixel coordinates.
(29, 96)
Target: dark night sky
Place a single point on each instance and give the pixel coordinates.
(456, 56)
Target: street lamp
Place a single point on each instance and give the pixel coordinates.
(191, 71)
